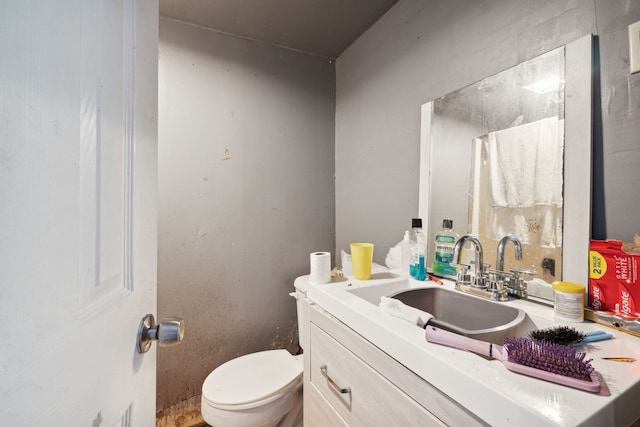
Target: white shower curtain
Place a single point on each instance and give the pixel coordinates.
(525, 163)
(525, 168)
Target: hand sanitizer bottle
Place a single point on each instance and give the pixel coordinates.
(417, 246)
(405, 250)
(445, 241)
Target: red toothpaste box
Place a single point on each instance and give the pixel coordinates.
(614, 284)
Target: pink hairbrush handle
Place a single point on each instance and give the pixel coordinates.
(450, 339)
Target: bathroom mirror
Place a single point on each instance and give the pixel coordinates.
(511, 154)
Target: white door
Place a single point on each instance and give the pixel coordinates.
(78, 127)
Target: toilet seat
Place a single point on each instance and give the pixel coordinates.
(252, 380)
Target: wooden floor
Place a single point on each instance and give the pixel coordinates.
(184, 414)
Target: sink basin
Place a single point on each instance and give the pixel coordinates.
(467, 315)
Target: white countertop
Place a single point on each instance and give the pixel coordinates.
(485, 387)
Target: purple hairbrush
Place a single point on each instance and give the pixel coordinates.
(555, 363)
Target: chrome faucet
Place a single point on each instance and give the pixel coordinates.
(479, 257)
(502, 246)
(493, 284)
(513, 281)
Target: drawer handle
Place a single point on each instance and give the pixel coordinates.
(332, 383)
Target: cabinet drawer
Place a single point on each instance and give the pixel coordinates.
(317, 411)
(371, 399)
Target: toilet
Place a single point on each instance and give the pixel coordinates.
(262, 389)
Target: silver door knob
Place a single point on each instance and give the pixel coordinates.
(168, 332)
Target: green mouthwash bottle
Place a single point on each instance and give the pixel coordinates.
(445, 241)
(417, 246)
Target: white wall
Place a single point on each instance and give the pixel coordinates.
(421, 50)
(246, 192)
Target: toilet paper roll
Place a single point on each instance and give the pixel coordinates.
(320, 268)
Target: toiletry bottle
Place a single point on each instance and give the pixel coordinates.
(405, 250)
(445, 241)
(417, 268)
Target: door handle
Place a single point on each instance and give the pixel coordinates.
(168, 332)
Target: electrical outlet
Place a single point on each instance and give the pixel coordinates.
(634, 47)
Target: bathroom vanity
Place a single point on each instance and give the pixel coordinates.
(351, 382)
(364, 367)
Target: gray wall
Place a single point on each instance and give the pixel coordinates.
(421, 50)
(246, 149)
(246, 192)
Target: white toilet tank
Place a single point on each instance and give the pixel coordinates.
(300, 294)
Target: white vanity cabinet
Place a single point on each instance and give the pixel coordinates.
(379, 390)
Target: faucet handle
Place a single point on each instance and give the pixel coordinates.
(464, 277)
(500, 273)
(498, 290)
(518, 271)
(463, 267)
(485, 266)
(519, 286)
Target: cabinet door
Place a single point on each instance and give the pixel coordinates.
(317, 411)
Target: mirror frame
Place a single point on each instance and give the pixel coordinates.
(576, 223)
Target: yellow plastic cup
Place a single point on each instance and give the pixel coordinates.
(361, 259)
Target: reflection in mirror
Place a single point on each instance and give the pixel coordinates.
(493, 161)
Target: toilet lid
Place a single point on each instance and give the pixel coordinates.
(252, 378)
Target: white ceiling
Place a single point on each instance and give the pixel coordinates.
(320, 27)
